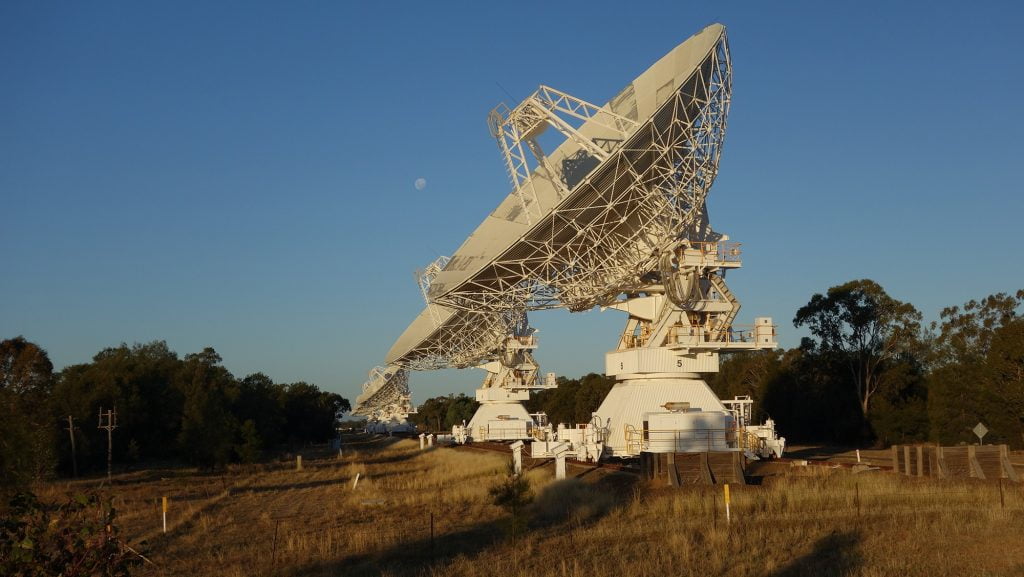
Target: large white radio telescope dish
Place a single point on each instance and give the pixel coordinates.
(585, 220)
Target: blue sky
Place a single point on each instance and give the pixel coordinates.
(242, 175)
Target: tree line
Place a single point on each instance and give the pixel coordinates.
(188, 409)
(870, 373)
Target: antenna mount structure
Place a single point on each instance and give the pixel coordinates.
(614, 216)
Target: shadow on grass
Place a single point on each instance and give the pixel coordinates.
(411, 557)
(579, 502)
(368, 445)
(836, 555)
(568, 501)
(412, 454)
(337, 481)
(816, 453)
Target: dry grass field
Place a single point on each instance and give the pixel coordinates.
(274, 520)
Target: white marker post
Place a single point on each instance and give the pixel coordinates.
(356, 482)
(430, 440)
(728, 518)
(517, 457)
(165, 513)
(858, 455)
(560, 450)
(422, 441)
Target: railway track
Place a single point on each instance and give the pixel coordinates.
(531, 463)
(635, 469)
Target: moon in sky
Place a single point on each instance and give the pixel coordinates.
(420, 183)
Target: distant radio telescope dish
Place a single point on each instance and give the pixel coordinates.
(420, 183)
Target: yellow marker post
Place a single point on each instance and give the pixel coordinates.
(165, 513)
(726, 489)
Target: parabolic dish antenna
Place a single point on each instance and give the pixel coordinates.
(441, 337)
(586, 220)
(613, 216)
(386, 389)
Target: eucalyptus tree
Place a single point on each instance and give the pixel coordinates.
(868, 329)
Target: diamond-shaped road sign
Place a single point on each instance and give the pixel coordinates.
(980, 431)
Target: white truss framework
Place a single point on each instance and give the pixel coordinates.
(463, 339)
(647, 193)
(385, 395)
(547, 106)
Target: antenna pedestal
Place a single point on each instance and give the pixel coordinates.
(638, 421)
(676, 330)
(501, 416)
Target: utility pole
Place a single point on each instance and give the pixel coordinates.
(74, 457)
(108, 421)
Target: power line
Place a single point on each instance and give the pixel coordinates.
(71, 432)
(108, 421)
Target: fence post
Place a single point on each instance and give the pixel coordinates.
(906, 460)
(670, 466)
(920, 461)
(895, 459)
(975, 467)
(940, 460)
(1006, 467)
(728, 518)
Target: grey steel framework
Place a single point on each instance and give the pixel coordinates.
(641, 187)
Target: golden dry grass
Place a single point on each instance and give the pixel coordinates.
(800, 521)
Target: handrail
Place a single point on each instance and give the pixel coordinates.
(639, 439)
(633, 340)
(489, 432)
(737, 333)
(751, 442)
(721, 251)
(694, 334)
